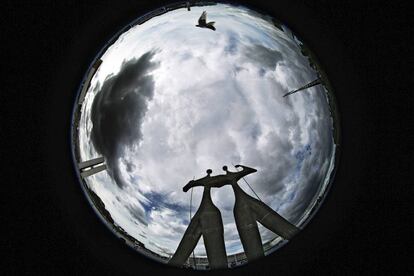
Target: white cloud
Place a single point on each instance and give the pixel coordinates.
(217, 100)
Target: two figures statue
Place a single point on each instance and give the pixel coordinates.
(208, 222)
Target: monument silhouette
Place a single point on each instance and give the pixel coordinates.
(207, 222)
(247, 212)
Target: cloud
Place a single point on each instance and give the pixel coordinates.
(118, 109)
(138, 213)
(232, 46)
(263, 56)
(203, 100)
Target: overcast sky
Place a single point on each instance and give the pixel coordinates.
(171, 100)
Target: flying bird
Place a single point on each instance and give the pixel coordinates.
(202, 22)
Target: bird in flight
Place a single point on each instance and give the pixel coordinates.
(202, 22)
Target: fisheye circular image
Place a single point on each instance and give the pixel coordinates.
(205, 135)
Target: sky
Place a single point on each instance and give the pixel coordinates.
(171, 100)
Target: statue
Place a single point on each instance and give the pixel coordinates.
(247, 211)
(207, 222)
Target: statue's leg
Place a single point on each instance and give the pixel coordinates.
(272, 220)
(187, 243)
(248, 231)
(213, 235)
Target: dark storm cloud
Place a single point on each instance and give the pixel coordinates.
(263, 56)
(119, 107)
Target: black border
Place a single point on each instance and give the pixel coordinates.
(364, 225)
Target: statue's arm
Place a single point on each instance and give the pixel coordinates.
(245, 170)
(218, 181)
(198, 182)
(208, 182)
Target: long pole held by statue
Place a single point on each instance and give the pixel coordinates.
(191, 205)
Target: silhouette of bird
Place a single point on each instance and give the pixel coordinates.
(202, 23)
